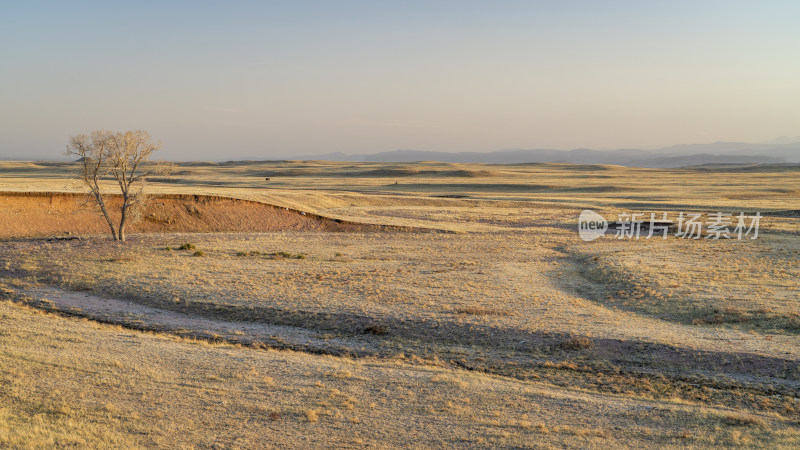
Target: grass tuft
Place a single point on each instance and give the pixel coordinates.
(312, 415)
(576, 343)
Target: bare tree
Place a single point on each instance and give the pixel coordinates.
(122, 156)
(92, 151)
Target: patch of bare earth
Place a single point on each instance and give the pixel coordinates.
(38, 214)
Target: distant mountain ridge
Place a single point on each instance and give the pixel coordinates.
(778, 152)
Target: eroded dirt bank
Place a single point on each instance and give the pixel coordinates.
(40, 214)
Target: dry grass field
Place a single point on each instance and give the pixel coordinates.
(425, 305)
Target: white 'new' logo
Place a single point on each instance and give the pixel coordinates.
(591, 225)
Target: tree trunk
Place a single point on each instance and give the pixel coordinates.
(102, 204)
(122, 220)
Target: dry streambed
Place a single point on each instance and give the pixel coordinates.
(520, 358)
(262, 301)
(143, 317)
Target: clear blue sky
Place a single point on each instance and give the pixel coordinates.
(219, 80)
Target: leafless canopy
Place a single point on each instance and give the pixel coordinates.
(121, 155)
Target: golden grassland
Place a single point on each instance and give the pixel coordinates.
(71, 382)
(460, 197)
(494, 324)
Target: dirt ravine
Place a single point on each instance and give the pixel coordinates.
(29, 214)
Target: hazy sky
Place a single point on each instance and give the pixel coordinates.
(221, 80)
